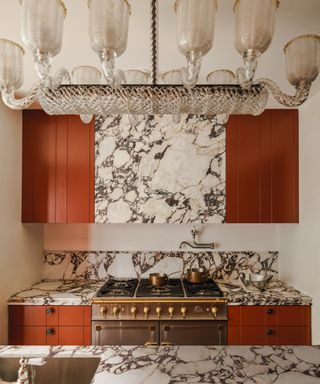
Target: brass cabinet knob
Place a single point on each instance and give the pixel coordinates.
(115, 311)
(146, 311)
(184, 311)
(50, 311)
(134, 311)
(171, 311)
(158, 311)
(104, 311)
(214, 311)
(50, 331)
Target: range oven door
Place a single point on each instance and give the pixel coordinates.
(193, 332)
(125, 333)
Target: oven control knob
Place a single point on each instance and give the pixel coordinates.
(134, 311)
(158, 311)
(115, 311)
(184, 311)
(104, 311)
(214, 311)
(171, 311)
(146, 311)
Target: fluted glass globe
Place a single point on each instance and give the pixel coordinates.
(255, 20)
(11, 64)
(108, 26)
(42, 25)
(303, 59)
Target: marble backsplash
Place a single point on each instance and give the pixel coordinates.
(100, 264)
(158, 172)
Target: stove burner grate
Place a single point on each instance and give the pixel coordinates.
(116, 288)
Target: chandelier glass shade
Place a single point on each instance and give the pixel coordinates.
(87, 91)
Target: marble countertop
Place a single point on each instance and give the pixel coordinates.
(276, 293)
(58, 292)
(80, 292)
(190, 364)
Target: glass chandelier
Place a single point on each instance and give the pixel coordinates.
(86, 91)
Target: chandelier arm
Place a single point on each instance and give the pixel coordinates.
(191, 72)
(301, 95)
(154, 41)
(10, 100)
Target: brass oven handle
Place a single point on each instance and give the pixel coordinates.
(166, 342)
(150, 344)
(153, 343)
(98, 331)
(220, 335)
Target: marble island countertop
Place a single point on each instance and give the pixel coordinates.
(81, 292)
(173, 365)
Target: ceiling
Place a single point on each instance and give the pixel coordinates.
(294, 17)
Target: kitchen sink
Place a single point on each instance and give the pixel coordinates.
(55, 371)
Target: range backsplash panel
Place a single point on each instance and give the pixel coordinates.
(101, 264)
(159, 172)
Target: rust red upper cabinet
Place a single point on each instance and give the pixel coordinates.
(263, 168)
(58, 169)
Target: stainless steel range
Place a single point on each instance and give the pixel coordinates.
(134, 312)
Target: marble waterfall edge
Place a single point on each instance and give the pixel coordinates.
(158, 172)
(98, 265)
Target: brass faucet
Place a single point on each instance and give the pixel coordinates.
(195, 244)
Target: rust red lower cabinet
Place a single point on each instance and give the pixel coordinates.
(49, 325)
(269, 325)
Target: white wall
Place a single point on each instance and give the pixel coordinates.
(299, 245)
(162, 237)
(20, 246)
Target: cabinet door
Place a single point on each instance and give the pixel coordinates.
(39, 168)
(262, 168)
(58, 169)
(189, 333)
(125, 333)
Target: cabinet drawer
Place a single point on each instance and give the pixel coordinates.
(253, 335)
(234, 335)
(71, 316)
(71, 335)
(52, 316)
(234, 315)
(290, 315)
(27, 315)
(27, 335)
(253, 315)
(290, 335)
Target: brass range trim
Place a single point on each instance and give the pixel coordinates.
(179, 300)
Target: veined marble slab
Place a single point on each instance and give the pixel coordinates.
(158, 172)
(57, 292)
(98, 265)
(276, 293)
(194, 364)
(78, 292)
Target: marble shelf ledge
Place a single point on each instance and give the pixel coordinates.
(58, 292)
(163, 365)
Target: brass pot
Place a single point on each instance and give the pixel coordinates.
(197, 275)
(158, 279)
